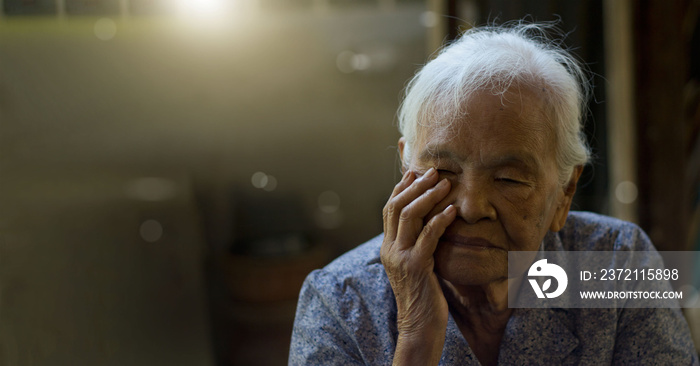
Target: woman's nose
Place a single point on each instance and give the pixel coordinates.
(472, 203)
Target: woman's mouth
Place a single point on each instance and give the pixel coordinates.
(468, 242)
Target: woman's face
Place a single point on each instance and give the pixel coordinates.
(500, 160)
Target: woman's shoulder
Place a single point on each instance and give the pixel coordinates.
(592, 231)
(358, 270)
(346, 312)
(366, 254)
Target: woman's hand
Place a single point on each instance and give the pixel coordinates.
(407, 255)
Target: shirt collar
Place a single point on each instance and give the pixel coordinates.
(532, 336)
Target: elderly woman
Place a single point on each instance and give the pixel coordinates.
(492, 150)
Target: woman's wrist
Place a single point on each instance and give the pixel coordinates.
(419, 348)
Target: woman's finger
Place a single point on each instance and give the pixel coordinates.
(412, 217)
(433, 230)
(389, 228)
(415, 189)
(396, 204)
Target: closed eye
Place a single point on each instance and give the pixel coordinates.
(509, 180)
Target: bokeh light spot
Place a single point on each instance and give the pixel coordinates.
(263, 181)
(151, 231)
(360, 62)
(271, 184)
(349, 62)
(105, 29)
(328, 202)
(259, 179)
(429, 19)
(626, 192)
(344, 62)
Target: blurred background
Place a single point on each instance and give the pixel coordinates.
(171, 170)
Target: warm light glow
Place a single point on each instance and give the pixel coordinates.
(202, 8)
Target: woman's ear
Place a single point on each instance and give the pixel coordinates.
(565, 199)
(402, 145)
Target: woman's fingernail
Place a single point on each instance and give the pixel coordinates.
(443, 183)
(430, 172)
(405, 175)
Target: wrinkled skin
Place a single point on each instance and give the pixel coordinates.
(472, 191)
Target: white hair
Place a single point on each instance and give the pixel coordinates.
(492, 59)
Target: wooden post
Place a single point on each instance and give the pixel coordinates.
(61, 9)
(124, 10)
(622, 132)
(438, 31)
(662, 52)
